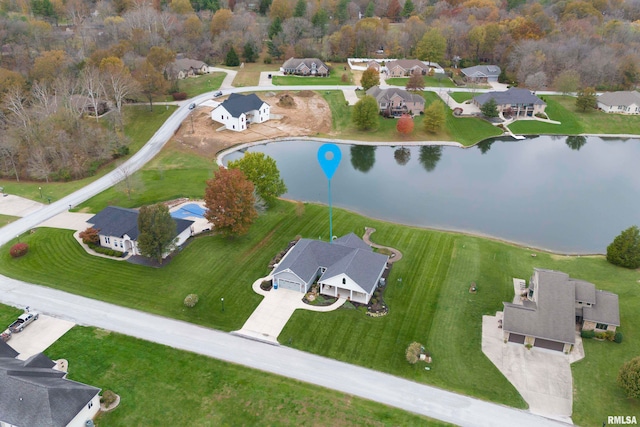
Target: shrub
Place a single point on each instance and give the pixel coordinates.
(108, 398)
(629, 377)
(267, 59)
(413, 352)
(588, 334)
(344, 78)
(191, 300)
(601, 335)
(528, 346)
(618, 337)
(19, 249)
(106, 251)
(179, 96)
(610, 335)
(90, 236)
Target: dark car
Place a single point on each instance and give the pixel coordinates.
(192, 106)
(217, 94)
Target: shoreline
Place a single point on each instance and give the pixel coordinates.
(460, 232)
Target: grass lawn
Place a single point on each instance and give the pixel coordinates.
(599, 122)
(7, 219)
(462, 96)
(249, 75)
(430, 305)
(555, 111)
(429, 81)
(204, 83)
(159, 385)
(467, 131)
(140, 125)
(334, 79)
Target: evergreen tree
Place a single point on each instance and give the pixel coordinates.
(156, 231)
(625, 249)
(249, 52)
(301, 9)
(232, 59)
(263, 7)
(407, 9)
(490, 108)
(275, 28)
(370, 10)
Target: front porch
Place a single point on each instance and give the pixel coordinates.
(348, 294)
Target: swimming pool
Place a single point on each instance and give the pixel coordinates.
(189, 210)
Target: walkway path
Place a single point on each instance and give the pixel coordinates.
(270, 317)
(395, 256)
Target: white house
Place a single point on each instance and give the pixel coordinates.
(118, 229)
(622, 102)
(239, 111)
(346, 267)
(36, 394)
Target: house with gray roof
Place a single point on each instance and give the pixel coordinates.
(547, 312)
(185, 67)
(406, 67)
(305, 67)
(396, 102)
(239, 111)
(346, 267)
(118, 229)
(33, 393)
(481, 73)
(621, 102)
(513, 102)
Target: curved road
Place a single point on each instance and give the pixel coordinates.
(358, 381)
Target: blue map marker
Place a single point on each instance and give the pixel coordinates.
(329, 156)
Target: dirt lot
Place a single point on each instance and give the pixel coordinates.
(310, 115)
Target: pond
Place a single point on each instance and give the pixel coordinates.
(566, 194)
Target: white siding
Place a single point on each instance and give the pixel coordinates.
(88, 412)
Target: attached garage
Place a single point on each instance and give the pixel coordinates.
(288, 284)
(516, 338)
(550, 345)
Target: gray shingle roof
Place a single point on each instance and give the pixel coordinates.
(624, 98)
(385, 95)
(238, 104)
(36, 396)
(347, 255)
(407, 64)
(606, 309)
(585, 291)
(481, 71)
(294, 63)
(553, 315)
(6, 350)
(187, 64)
(512, 96)
(116, 221)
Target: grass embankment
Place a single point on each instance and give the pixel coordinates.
(429, 81)
(462, 96)
(159, 385)
(334, 79)
(430, 305)
(465, 130)
(140, 125)
(249, 74)
(194, 86)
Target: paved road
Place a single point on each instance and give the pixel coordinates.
(372, 385)
(284, 361)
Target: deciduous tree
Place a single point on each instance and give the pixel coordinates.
(221, 21)
(629, 378)
(402, 155)
(625, 249)
(263, 172)
(430, 156)
(365, 113)
(370, 78)
(432, 46)
(567, 81)
(416, 81)
(230, 202)
(434, 117)
(363, 157)
(405, 125)
(151, 81)
(587, 99)
(156, 231)
(49, 65)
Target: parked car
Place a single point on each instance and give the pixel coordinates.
(217, 94)
(23, 321)
(6, 335)
(192, 106)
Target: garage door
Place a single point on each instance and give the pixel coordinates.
(551, 345)
(518, 339)
(287, 284)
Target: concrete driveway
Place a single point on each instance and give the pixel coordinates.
(350, 96)
(542, 377)
(269, 318)
(39, 335)
(17, 206)
(68, 220)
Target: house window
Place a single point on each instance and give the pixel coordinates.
(602, 326)
(90, 405)
(344, 281)
(530, 293)
(107, 240)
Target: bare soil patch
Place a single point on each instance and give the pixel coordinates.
(311, 115)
